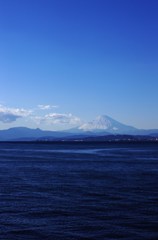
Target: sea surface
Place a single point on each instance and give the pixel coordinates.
(64, 191)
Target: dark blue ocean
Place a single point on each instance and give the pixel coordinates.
(64, 191)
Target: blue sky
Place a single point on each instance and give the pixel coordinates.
(66, 61)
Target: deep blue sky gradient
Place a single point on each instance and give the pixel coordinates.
(90, 57)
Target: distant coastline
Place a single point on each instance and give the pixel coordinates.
(101, 139)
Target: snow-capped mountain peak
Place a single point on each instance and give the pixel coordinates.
(106, 123)
(101, 122)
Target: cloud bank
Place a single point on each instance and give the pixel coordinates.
(9, 115)
(58, 118)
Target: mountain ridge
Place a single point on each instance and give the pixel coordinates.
(101, 126)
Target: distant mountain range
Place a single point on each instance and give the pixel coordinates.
(103, 127)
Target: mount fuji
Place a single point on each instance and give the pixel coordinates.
(104, 125)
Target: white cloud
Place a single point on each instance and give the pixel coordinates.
(46, 107)
(8, 115)
(58, 118)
